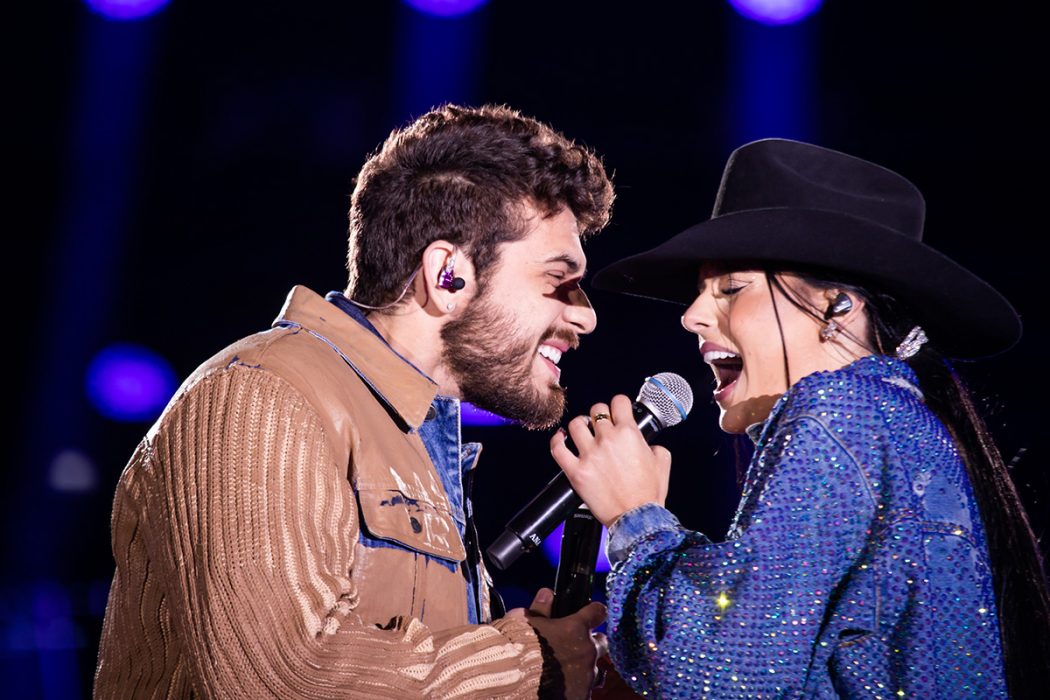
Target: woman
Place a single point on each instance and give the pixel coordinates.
(879, 549)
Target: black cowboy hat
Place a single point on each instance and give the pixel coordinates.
(787, 203)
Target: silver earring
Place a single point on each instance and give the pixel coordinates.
(830, 331)
(911, 343)
(450, 306)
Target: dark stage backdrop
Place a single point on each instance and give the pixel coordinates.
(187, 169)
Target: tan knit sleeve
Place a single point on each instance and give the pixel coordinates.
(256, 528)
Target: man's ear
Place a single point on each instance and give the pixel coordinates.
(447, 278)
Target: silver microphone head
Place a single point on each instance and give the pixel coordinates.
(668, 396)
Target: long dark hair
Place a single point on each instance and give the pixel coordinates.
(1021, 589)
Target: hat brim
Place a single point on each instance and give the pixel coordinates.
(964, 315)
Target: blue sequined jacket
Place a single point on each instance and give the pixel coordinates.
(856, 565)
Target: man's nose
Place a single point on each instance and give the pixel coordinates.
(579, 313)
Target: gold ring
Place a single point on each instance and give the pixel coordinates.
(599, 416)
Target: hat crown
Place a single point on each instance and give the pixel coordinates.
(779, 173)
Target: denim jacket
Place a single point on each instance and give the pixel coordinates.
(856, 564)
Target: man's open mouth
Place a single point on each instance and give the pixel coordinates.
(552, 356)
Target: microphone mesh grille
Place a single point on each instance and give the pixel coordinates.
(668, 396)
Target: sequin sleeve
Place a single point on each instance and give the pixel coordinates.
(692, 618)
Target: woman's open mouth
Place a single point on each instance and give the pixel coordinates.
(727, 367)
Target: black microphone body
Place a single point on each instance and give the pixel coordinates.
(526, 531)
(574, 580)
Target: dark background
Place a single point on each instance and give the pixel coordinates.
(185, 170)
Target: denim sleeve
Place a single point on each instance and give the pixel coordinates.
(691, 618)
(634, 526)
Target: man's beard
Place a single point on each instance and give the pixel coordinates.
(492, 365)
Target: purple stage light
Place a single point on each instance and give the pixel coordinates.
(125, 10)
(72, 471)
(469, 414)
(552, 549)
(130, 383)
(445, 8)
(776, 11)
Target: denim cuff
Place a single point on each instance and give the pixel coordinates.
(634, 526)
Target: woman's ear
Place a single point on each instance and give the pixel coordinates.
(839, 304)
(845, 310)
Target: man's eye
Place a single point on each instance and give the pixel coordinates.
(563, 283)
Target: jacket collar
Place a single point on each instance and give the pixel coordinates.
(397, 383)
(889, 369)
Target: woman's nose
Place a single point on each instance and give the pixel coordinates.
(698, 316)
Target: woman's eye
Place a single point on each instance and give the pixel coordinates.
(730, 291)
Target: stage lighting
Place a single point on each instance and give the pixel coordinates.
(469, 414)
(72, 471)
(445, 8)
(776, 11)
(125, 10)
(552, 548)
(130, 383)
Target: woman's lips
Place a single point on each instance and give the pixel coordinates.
(722, 392)
(726, 365)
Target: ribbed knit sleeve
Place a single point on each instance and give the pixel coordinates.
(247, 529)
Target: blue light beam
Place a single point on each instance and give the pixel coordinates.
(775, 12)
(445, 8)
(126, 10)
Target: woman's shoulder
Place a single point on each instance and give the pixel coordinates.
(871, 391)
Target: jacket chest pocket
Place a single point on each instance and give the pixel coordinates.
(409, 559)
(412, 523)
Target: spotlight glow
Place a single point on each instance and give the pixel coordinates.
(552, 549)
(445, 8)
(72, 471)
(126, 10)
(776, 12)
(130, 383)
(469, 414)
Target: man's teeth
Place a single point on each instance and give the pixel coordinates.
(713, 355)
(551, 353)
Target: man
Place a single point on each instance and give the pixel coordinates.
(296, 524)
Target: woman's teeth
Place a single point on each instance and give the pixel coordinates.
(726, 365)
(712, 355)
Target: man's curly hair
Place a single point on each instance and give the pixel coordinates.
(461, 174)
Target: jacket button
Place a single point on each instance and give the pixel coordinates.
(416, 527)
(431, 413)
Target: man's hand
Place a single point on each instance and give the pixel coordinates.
(570, 651)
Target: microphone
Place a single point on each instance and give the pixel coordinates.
(664, 400)
(574, 580)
